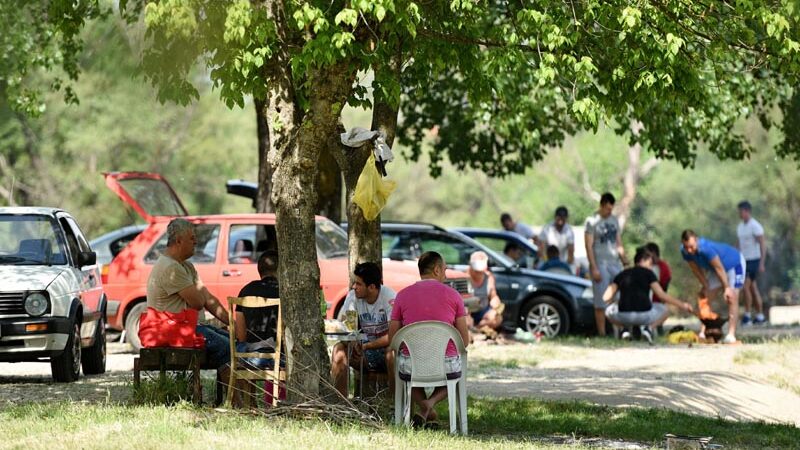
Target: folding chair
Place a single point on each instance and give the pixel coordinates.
(240, 370)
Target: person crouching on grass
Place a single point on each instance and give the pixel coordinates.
(635, 308)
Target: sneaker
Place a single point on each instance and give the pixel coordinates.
(760, 319)
(729, 339)
(626, 335)
(746, 321)
(647, 334)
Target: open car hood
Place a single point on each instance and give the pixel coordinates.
(148, 194)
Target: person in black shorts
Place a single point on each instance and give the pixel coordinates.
(635, 307)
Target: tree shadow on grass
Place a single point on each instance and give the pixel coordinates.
(524, 419)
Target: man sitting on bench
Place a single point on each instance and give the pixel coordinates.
(175, 297)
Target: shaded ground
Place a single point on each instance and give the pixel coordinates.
(31, 382)
(745, 382)
(750, 382)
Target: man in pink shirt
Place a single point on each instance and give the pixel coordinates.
(429, 299)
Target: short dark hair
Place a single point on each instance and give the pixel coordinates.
(653, 248)
(607, 198)
(511, 246)
(562, 211)
(428, 261)
(687, 234)
(744, 204)
(552, 252)
(370, 273)
(505, 216)
(268, 263)
(642, 253)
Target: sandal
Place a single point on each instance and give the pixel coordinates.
(431, 425)
(418, 421)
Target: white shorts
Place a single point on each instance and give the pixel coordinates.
(608, 271)
(636, 318)
(735, 274)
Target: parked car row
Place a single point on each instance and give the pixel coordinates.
(59, 292)
(228, 246)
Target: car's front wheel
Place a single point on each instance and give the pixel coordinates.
(66, 367)
(132, 325)
(94, 357)
(545, 315)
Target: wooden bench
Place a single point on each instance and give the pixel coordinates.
(165, 359)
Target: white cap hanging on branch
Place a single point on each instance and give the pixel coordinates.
(372, 191)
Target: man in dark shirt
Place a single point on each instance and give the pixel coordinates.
(260, 324)
(635, 307)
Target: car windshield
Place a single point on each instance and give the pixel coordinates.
(331, 240)
(27, 240)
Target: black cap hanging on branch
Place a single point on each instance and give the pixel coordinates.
(372, 191)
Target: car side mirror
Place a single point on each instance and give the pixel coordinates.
(87, 259)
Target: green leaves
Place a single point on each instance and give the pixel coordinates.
(346, 16)
(630, 17)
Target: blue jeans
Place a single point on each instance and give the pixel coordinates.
(218, 350)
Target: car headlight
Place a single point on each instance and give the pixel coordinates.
(588, 293)
(36, 304)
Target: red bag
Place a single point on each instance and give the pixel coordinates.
(168, 329)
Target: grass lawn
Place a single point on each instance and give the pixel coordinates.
(493, 424)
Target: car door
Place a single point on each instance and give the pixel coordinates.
(88, 288)
(243, 243)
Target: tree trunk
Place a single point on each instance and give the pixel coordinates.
(632, 177)
(263, 201)
(329, 185)
(296, 139)
(364, 236)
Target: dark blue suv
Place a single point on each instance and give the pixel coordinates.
(535, 301)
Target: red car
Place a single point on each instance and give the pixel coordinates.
(228, 246)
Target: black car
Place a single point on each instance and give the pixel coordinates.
(498, 239)
(535, 301)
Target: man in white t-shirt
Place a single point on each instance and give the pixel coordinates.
(752, 246)
(516, 227)
(559, 234)
(373, 302)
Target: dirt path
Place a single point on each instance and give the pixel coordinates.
(31, 382)
(701, 380)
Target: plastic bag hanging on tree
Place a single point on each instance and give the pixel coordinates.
(372, 191)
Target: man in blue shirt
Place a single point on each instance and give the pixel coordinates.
(718, 267)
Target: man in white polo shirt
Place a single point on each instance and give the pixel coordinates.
(754, 250)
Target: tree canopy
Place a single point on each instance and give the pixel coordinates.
(509, 83)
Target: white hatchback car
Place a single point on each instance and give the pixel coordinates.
(52, 305)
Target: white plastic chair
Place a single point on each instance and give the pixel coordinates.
(427, 343)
